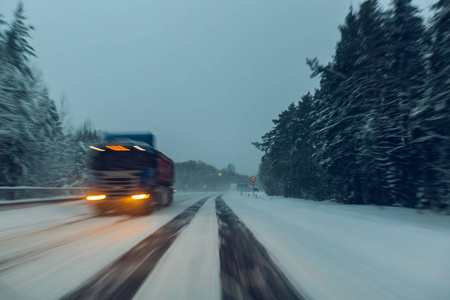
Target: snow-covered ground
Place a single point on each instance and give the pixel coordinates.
(326, 250)
(335, 251)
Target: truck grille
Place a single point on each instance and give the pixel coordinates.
(118, 184)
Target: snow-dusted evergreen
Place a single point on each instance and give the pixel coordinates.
(287, 168)
(34, 148)
(377, 131)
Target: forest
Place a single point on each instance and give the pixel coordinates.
(377, 130)
(199, 176)
(38, 146)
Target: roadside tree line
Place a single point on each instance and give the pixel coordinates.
(377, 130)
(37, 145)
(199, 176)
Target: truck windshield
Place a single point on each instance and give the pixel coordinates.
(122, 160)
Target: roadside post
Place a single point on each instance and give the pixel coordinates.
(253, 180)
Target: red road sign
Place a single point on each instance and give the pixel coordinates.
(253, 179)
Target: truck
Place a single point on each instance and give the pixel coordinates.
(130, 175)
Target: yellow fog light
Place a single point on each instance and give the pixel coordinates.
(97, 197)
(141, 196)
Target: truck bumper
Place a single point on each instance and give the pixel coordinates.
(123, 205)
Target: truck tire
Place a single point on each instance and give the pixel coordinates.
(167, 198)
(170, 197)
(148, 208)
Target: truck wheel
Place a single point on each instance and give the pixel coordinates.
(148, 208)
(169, 203)
(167, 198)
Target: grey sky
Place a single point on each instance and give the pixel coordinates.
(206, 77)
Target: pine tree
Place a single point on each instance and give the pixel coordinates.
(17, 117)
(17, 47)
(369, 135)
(431, 123)
(337, 116)
(403, 86)
(277, 145)
(17, 106)
(48, 132)
(303, 177)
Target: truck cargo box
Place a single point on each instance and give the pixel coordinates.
(164, 170)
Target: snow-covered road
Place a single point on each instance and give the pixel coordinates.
(208, 246)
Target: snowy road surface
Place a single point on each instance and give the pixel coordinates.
(212, 246)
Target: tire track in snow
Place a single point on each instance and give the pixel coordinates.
(57, 222)
(26, 256)
(246, 269)
(45, 230)
(123, 277)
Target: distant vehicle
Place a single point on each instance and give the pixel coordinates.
(233, 187)
(130, 175)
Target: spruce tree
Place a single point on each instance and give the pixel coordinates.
(277, 145)
(431, 122)
(336, 114)
(403, 87)
(18, 49)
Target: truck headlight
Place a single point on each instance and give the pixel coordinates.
(96, 197)
(140, 196)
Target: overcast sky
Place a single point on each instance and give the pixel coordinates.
(205, 77)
